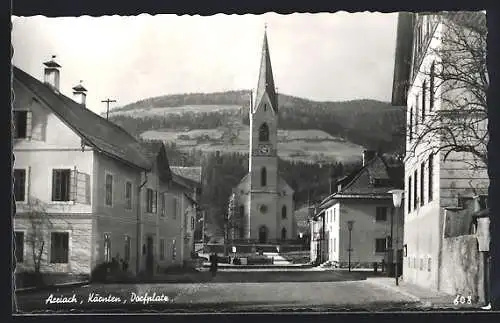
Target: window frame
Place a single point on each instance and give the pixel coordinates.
(25, 184)
(127, 248)
(422, 184)
(53, 261)
(106, 175)
(27, 127)
(53, 180)
(378, 210)
(23, 251)
(378, 242)
(430, 175)
(109, 255)
(263, 177)
(130, 199)
(163, 249)
(264, 133)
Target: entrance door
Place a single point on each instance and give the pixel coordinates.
(262, 234)
(149, 255)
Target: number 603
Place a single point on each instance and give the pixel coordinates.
(461, 300)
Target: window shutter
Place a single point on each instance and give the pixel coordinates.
(28, 185)
(73, 185)
(29, 119)
(82, 188)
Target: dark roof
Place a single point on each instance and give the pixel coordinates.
(191, 173)
(402, 58)
(96, 131)
(373, 180)
(265, 83)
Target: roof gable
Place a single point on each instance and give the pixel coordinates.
(191, 173)
(105, 136)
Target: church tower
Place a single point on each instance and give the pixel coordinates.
(263, 158)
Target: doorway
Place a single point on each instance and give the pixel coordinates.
(263, 234)
(149, 255)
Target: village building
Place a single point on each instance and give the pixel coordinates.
(85, 189)
(264, 200)
(439, 182)
(358, 223)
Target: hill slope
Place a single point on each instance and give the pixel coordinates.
(217, 121)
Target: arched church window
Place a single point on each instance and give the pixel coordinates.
(263, 177)
(264, 133)
(283, 212)
(265, 107)
(283, 234)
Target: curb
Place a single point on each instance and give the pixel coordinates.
(393, 288)
(50, 287)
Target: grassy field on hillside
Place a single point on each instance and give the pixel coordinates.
(305, 145)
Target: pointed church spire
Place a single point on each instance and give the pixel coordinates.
(265, 83)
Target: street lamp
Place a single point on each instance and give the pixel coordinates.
(349, 227)
(397, 197)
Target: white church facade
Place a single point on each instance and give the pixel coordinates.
(265, 210)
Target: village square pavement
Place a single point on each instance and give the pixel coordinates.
(336, 295)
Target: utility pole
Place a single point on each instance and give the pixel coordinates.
(108, 101)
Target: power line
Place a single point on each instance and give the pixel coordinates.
(107, 101)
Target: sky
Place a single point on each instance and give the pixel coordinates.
(324, 57)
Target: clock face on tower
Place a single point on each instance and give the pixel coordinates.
(264, 149)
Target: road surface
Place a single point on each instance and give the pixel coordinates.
(203, 297)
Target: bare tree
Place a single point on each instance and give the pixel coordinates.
(39, 222)
(459, 77)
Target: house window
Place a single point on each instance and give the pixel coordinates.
(415, 197)
(109, 190)
(409, 194)
(429, 180)
(334, 244)
(424, 90)
(283, 212)
(283, 234)
(174, 250)
(22, 124)
(411, 124)
(107, 247)
(334, 215)
(150, 201)
(429, 263)
(162, 204)
(422, 186)
(421, 267)
(61, 179)
(59, 247)
(242, 210)
(381, 213)
(242, 232)
(174, 208)
(20, 184)
(431, 87)
(380, 245)
(417, 106)
(128, 195)
(192, 223)
(163, 249)
(19, 236)
(127, 249)
(264, 133)
(263, 177)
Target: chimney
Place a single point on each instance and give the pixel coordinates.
(80, 94)
(51, 73)
(367, 156)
